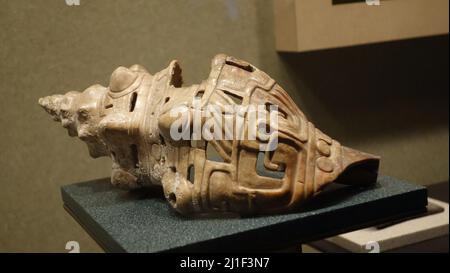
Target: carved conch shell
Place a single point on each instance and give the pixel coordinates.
(132, 121)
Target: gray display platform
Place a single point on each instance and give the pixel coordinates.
(142, 221)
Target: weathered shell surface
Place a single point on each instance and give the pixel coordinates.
(130, 122)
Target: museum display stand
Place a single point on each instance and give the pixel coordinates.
(142, 221)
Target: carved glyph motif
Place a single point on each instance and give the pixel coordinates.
(209, 171)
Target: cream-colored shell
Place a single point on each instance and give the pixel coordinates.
(129, 121)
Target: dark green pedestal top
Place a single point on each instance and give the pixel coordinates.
(142, 221)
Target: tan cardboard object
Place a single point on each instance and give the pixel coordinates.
(398, 235)
(305, 25)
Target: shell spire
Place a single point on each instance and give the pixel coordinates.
(52, 105)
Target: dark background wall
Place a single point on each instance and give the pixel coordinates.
(389, 99)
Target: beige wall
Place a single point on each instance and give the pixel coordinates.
(389, 99)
